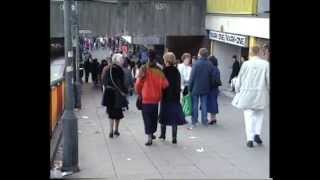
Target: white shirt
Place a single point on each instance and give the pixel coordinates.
(185, 72)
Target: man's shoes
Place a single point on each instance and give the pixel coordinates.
(153, 136)
(149, 143)
(212, 122)
(117, 133)
(250, 144)
(257, 139)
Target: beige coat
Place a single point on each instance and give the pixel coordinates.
(252, 84)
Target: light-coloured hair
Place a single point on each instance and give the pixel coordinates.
(203, 52)
(117, 58)
(169, 58)
(255, 50)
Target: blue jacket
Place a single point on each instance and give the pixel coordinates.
(199, 79)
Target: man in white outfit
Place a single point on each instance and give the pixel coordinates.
(252, 87)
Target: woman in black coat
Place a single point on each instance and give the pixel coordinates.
(115, 99)
(171, 111)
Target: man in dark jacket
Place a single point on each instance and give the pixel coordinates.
(87, 69)
(200, 85)
(235, 68)
(94, 71)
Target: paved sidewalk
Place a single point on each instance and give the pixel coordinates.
(217, 151)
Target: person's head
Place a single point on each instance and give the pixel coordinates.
(169, 59)
(186, 58)
(213, 60)
(234, 57)
(152, 58)
(255, 50)
(117, 59)
(203, 53)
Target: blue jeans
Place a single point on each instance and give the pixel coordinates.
(195, 109)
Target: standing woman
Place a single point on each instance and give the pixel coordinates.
(185, 71)
(212, 103)
(171, 111)
(149, 85)
(115, 93)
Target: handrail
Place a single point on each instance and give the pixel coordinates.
(56, 82)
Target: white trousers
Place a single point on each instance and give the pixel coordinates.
(253, 120)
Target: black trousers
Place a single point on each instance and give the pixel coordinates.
(150, 118)
(87, 73)
(174, 130)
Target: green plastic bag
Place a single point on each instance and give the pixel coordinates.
(187, 105)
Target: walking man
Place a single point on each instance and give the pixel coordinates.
(252, 87)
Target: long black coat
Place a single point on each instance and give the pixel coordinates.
(172, 93)
(118, 77)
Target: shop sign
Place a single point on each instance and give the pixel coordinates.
(234, 39)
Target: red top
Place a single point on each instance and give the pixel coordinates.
(151, 86)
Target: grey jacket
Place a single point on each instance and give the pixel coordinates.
(200, 77)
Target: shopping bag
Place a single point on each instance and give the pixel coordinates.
(187, 105)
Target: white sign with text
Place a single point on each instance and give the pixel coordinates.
(234, 39)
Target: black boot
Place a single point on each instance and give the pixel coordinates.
(250, 144)
(111, 135)
(163, 132)
(174, 134)
(257, 139)
(116, 133)
(149, 142)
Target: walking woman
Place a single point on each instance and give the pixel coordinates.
(149, 85)
(170, 110)
(115, 93)
(212, 103)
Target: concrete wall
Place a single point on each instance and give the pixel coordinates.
(137, 18)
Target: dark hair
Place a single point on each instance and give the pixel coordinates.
(152, 58)
(213, 60)
(234, 56)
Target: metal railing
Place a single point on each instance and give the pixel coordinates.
(56, 102)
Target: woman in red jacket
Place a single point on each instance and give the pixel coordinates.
(150, 84)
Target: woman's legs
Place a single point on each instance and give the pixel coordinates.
(174, 134)
(163, 132)
(111, 128)
(116, 131)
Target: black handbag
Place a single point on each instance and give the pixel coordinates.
(139, 103)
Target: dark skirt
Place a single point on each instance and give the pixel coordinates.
(115, 113)
(109, 101)
(212, 103)
(171, 113)
(150, 117)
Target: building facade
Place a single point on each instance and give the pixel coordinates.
(233, 26)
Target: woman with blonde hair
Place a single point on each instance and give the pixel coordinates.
(170, 110)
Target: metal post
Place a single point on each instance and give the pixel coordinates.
(76, 63)
(70, 124)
